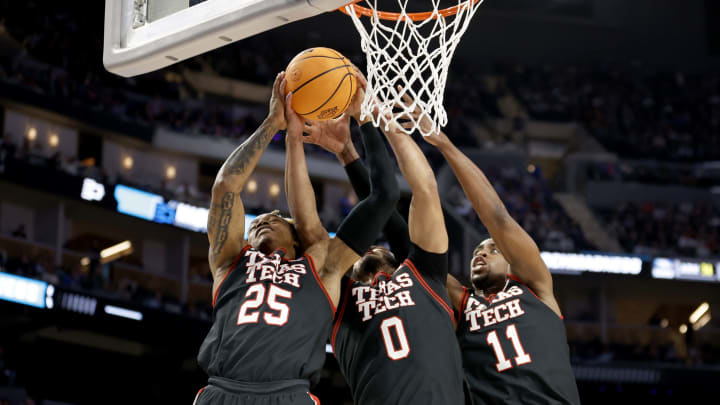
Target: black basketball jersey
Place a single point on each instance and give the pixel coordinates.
(514, 349)
(394, 338)
(271, 320)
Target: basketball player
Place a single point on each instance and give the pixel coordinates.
(393, 334)
(273, 298)
(510, 327)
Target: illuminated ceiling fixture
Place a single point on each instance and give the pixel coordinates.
(699, 312)
(664, 323)
(252, 186)
(274, 190)
(701, 316)
(683, 329)
(128, 163)
(31, 134)
(85, 261)
(53, 140)
(170, 172)
(116, 251)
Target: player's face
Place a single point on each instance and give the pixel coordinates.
(270, 232)
(376, 258)
(488, 266)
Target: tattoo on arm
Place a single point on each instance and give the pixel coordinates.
(238, 161)
(221, 221)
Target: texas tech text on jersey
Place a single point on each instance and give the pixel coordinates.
(272, 317)
(371, 300)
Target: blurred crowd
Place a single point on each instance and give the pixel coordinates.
(596, 352)
(631, 109)
(529, 200)
(668, 229)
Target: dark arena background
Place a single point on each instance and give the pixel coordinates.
(597, 121)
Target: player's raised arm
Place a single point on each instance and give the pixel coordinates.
(226, 219)
(299, 190)
(425, 221)
(360, 228)
(518, 248)
(335, 138)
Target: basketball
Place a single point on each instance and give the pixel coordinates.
(323, 83)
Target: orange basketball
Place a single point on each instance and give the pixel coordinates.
(323, 83)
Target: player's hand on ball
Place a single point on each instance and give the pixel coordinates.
(331, 135)
(355, 107)
(295, 123)
(276, 115)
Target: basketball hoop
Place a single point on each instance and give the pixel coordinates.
(413, 51)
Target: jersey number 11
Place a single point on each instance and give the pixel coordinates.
(502, 362)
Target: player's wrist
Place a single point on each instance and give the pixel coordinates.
(275, 122)
(348, 154)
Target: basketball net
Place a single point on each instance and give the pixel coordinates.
(413, 51)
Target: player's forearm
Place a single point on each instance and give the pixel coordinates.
(413, 164)
(486, 202)
(242, 161)
(300, 193)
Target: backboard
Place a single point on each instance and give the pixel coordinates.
(145, 35)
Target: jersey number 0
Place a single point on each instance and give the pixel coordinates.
(254, 298)
(402, 350)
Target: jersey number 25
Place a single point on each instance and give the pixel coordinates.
(254, 298)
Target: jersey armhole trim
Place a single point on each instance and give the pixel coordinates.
(338, 319)
(512, 277)
(232, 267)
(432, 292)
(320, 282)
(463, 303)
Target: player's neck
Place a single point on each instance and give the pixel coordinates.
(268, 249)
(490, 290)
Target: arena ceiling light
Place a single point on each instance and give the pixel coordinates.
(115, 252)
(701, 316)
(123, 312)
(699, 312)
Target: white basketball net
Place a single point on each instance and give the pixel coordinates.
(414, 55)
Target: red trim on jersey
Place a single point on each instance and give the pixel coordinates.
(420, 278)
(339, 317)
(512, 277)
(374, 280)
(533, 292)
(232, 267)
(198, 394)
(463, 302)
(319, 280)
(315, 399)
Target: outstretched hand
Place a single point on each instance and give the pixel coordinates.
(276, 115)
(423, 119)
(355, 107)
(331, 135)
